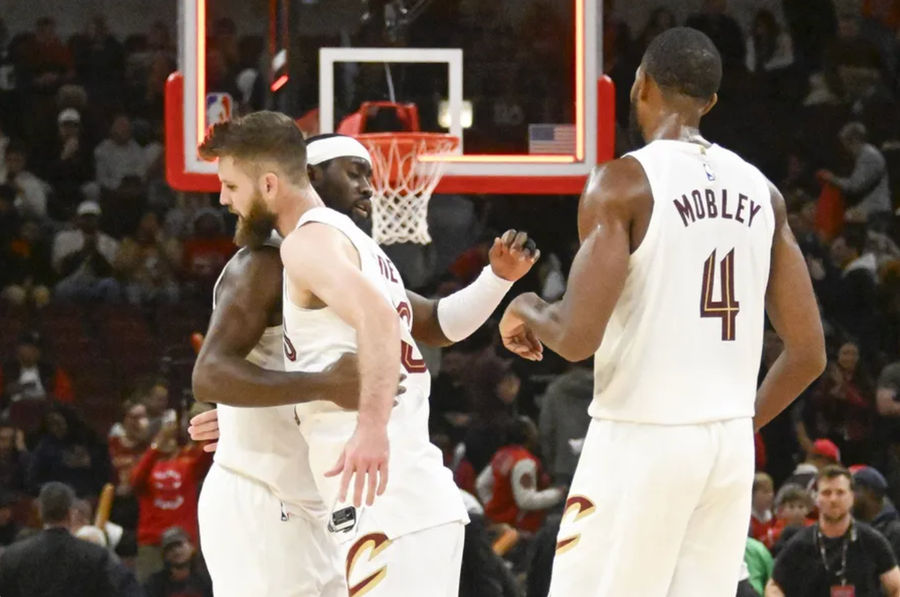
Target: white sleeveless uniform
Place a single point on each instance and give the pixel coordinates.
(262, 523)
(410, 541)
(660, 501)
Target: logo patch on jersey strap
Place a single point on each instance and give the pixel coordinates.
(577, 507)
(375, 543)
(289, 351)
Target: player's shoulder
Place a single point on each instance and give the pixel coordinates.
(253, 266)
(316, 241)
(619, 184)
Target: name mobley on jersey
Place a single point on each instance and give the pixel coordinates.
(707, 203)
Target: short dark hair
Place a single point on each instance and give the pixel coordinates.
(792, 494)
(833, 471)
(263, 136)
(685, 61)
(55, 501)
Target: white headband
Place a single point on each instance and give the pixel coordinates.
(339, 146)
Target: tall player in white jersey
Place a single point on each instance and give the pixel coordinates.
(343, 294)
(684, 248)
(260, 491)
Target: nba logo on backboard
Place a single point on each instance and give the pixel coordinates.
(218, 108)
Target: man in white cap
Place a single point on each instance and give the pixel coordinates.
(83, 258)
(252, 457)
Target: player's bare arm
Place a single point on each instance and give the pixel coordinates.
(441, 322)
(573, 327)
(247, 301)
(322, 268)
(791, 307)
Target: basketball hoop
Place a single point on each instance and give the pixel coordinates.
(404, 184)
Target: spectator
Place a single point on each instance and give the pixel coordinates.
(724, 32)
(823, 453)
(9, 527)
(761, 518)
(492, 388)
(49, 60)
(147, 262)
(514, 488)
(759, 564)
(871, 505)
(31, 191)
(154, 394)
(182, 575)
(206, 250)
(31, 377)
(792, 506)
(27, 274)
(166, 481)
(71, 166)
(69, 452)
(851, 56)
(84, 258)
(14, 458)
(837, 551)
(768, 46)
(121, 577)
(887, 400)
(867, 186)
(119, 155)
(54, 562)
(564, 420)
(846, 403)
(127, 443)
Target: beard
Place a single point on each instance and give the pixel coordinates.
(835, 518)
(255, 229)
(635, 135)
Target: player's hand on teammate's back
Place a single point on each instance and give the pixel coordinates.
(513, 255)
(344, 374)
(205, 428)
(516, 336)
(365, 456)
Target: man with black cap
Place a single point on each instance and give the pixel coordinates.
(872, 505)
(182, 575)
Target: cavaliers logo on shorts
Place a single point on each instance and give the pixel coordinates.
(289, 351)
(577, 507)
(376, 542)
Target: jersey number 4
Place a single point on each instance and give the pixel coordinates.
(727, 307)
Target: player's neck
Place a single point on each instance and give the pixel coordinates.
(294, 206)
(677, 126)
(837, 528)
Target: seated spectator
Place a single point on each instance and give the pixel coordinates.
(71, 165)
(27, 275)
(9, 527)
(14, 459)
(53, 562)
(31, 191)
(69, 452)
(887, 400)
(836, 552)
(769, 47)
(119, 156)
(867, 187)
(823, 453)
(206, 250)
(83, 258)
(759, 565)
(513, 487)
(846, 403)
(792, 506)
(182, 574)
(31, 377)
(564, 420)
(148, 262)
(166, 482)
(154, 395)
(761, 518)
(872, 506)
(128, 441)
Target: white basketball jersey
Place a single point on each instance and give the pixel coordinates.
(684, 340)
(421, 492)
(264, 443)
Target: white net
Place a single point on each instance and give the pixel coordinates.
(404, 184)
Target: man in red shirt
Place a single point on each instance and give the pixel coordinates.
(509, 486)
(166, 482)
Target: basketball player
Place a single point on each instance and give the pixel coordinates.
(660, 501)
(420, 536)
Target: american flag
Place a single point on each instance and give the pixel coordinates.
(551, 138)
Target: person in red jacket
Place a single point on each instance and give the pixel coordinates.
(166, 482)
(511, 485)
(761, 518)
